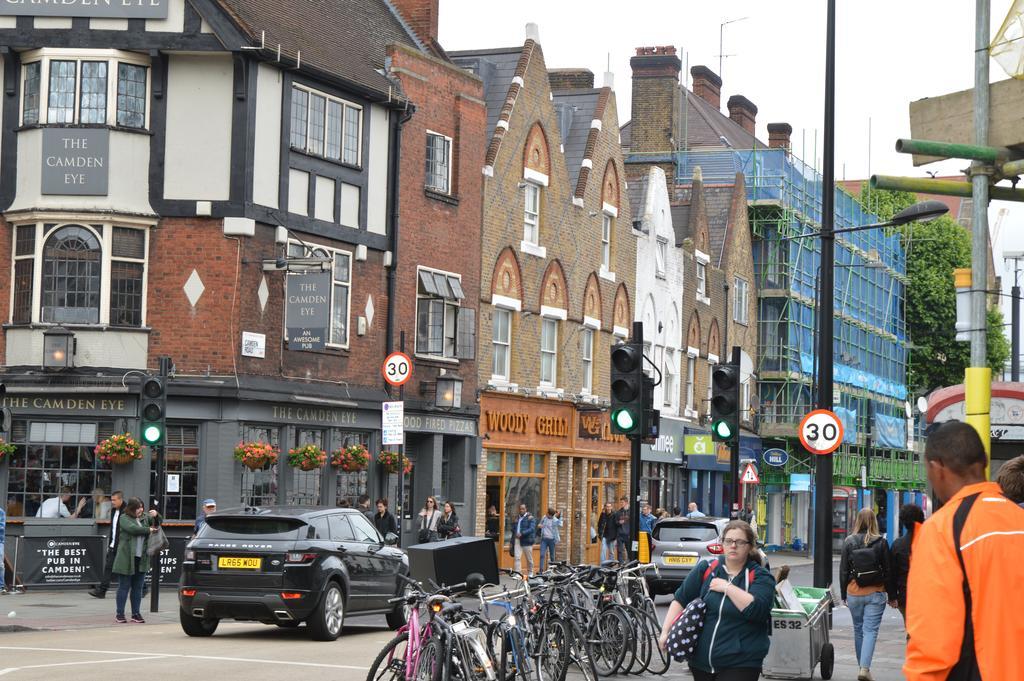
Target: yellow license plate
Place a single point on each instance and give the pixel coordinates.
(240, 563)
(679, 560)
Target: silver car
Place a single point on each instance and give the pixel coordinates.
(678, 544)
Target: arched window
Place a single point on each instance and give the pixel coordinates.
(72, 264)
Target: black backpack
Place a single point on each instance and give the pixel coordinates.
(864, 565)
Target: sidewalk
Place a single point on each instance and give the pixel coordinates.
(38, 609)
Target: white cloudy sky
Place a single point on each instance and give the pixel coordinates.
(889, 53)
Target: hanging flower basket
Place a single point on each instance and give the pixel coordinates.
(255, 455)
(307, 457)
(351, 459)
(393, 462)
(120, 449)
(6, 449)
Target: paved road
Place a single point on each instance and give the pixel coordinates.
(69, 635)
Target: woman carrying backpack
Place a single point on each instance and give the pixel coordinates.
(738, 593)
(866, 584)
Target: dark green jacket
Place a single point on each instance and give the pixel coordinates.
(128, 530)
(731, 638)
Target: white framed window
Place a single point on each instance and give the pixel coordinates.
(76, 273)
(740, 291)
(548, 351)
(702, 279)
(326, 126)
(502, 344)
(531, 214)
(691, 369)
(85, 87)
(669, 378)
(711, 374)
(606, 242)
(745, 400)
(660, 256)
(587, 356)
(439, 162)
(444, 329)
(341, 288)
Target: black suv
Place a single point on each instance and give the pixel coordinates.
(287, 565)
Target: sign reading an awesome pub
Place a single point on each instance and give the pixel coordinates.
(61, 560)
(105, 9)
(308, 310)
(75, 160)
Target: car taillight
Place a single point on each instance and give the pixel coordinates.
(716, 549)
(188, 593)
(290, 595)
(297, 557)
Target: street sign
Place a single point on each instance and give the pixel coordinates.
(749, 476)
(821, 432)
(697, 445)
(397, 368)
(392, 422)
(775, 457)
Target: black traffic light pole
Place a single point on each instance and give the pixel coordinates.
(734, 445)
(158, 491)
(635, 442)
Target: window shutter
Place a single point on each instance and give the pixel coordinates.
(423, 326)
(467, 333)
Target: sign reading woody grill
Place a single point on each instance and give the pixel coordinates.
(105, 9)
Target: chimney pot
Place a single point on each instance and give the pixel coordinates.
(707, 85)
(571, 79)
(779, 135)
(421, 15)
(743, 112)
(609, 80)
(533, 32)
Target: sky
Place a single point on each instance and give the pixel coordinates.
(888, 53)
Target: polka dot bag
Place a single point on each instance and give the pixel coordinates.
(685, 631)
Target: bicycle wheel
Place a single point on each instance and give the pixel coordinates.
(553, 642)
(499, 639)
(659, 660)
(632, 662)
(608, 637)
(391, 661)
(579, 653)
(431, 661)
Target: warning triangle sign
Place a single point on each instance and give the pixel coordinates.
(750, 475)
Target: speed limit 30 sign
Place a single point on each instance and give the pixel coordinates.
(397, 368)
(821, 432)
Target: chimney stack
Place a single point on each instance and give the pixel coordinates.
(655, 91)
(742, 111)
(707, 85)
(421, 15)
(779, 135)
(571, 79)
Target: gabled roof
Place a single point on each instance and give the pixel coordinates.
(705, 126)
(496, 68)
(636, 189)
(576, 109)
(681, 222)
(718, 207)
(345, 38)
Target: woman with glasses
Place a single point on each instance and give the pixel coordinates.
(739, 593)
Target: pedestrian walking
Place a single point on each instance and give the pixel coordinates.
(524, 538)
(647, 519)
(693, 511)
(132, 561)
(550, 535)
(363, 504)
(116, 509)
(866, 584)
(491, 524)
(911, 515)
(607, 532)
(383, 520)
(209, 506)
(1011, 480)
(448, 527)
(964, 599)
(622, 537)
(739, 593)
(430, 516)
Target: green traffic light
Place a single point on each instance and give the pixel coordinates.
(722, 430)
(151, 434)
(624, 420)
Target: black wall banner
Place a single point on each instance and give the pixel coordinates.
(170, 562)
(61, 560)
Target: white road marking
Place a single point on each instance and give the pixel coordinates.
(115, 659)
(178, 655)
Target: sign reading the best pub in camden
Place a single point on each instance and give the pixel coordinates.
(308, 310)
(106, 9)
(75, 160)
(61, 560)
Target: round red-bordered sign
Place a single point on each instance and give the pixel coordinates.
(821, 432)
(397, 368)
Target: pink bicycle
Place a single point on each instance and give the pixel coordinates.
(398, 659)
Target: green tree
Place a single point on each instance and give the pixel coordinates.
(934, 249)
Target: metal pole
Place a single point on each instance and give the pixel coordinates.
(945, 187)
(635, 442)
(161, 475)
(734, 455)
(401, 455)
(1015, 330)
(823, 471)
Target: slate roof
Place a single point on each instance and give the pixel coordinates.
(351, 45)
(576, 108)
(496, 68)
(705, 126)
(681, 222)
(636, 189)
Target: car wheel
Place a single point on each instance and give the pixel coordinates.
(400, 615)
(327, 619)
(196, 626)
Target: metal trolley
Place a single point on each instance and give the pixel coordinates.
(800, 638)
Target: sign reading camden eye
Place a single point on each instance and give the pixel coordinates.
(105, 9)
(308, 310)
(75, 161)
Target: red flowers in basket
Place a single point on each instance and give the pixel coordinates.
(255, 455)
(351, 459)
(393, 462)
(307, 457)
(119, 449)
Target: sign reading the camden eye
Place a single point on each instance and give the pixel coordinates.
(106, 9)
(75, 160)
(308, 310)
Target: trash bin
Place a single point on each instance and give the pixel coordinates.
(800, 639)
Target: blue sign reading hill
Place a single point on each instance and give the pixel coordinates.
(775, 457)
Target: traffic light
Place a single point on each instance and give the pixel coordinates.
(725, 403)
(652, 416)
(153, 410)
(627, 361)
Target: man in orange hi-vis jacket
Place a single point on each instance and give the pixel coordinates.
(965, 594)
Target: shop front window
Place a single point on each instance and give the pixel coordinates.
(350, 486)
(51, 456)
(517, 477)
(259, 487)
(304, 489)
(181, 454)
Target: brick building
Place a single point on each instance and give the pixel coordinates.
(232, 208)
(558, 264)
